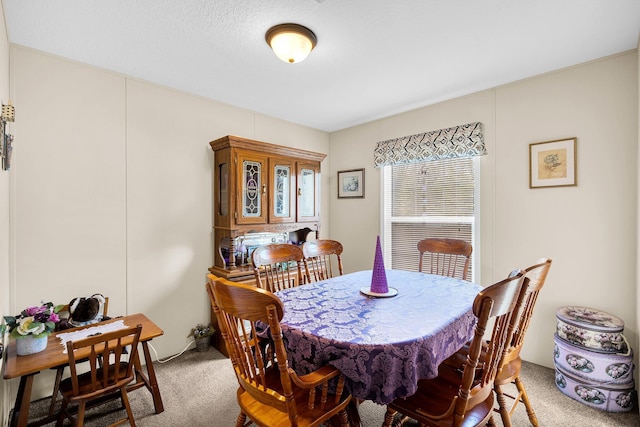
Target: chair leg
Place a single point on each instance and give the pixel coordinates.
(56, 389)
(62, 413)
(525, 399)
(344, 418)
(242, 418)
(80, 415)
(125, 400)
(388, 417)
(504, 412)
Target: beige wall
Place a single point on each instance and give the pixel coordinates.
(589, 231)
(113, 191)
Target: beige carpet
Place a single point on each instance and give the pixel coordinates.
(199, 389)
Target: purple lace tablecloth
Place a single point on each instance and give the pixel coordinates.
(383, 346)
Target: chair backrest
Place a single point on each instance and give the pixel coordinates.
(446, 257)
(536, 276)
(104, 354)
(323, 257)
(279, 266)
(498, 302)
(242, 312)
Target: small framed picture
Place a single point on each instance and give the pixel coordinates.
(351, 184)
(553, 163)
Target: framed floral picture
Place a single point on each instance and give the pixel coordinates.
(351, 184)
(553, 163)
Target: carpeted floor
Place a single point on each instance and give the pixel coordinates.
(199, 389)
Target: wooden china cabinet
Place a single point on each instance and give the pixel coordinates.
(263, 193)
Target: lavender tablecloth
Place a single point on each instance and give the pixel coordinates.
(382, 345)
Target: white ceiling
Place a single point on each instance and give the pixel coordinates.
(374, 58)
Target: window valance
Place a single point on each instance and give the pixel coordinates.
(459, 141)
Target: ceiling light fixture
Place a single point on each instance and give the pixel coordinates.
(291, 42)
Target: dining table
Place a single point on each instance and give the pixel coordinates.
(26, 367)
(382, 345)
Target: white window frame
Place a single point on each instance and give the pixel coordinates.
(385, 229)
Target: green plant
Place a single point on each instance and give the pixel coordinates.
(202, 331)
(38, 321)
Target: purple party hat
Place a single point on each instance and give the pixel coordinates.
(379, 277)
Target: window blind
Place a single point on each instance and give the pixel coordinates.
(428, 199)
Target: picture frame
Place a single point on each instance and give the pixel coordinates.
(553, 163)
(351, 184)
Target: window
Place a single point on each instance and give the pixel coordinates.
(428, 199)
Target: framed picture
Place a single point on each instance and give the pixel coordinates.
(553, 163)
(351, 184)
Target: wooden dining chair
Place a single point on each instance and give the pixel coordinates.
(279, 266)
(60, 369)
(465, 398)
(535, 277)
(107, 377)
(510, 370)
(323, 258)
(271, 395)
(446, 257)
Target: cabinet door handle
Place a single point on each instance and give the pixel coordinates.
(264, 189)
(299, 191)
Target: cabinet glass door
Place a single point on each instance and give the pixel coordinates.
(308, 192)
(251, 198)
(223, 189)
(282, 202)
(282, 190)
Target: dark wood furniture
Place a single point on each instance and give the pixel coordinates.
(465, 398)
(446, 257)
(279, 266)
(262, 193)
(108, 374)
(26, 367)
(271, 394)
(324, 258)
(260, 188)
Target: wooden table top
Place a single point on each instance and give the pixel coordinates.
(53, 356)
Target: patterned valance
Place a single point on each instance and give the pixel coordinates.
(459, 141)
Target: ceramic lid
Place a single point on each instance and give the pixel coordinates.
(590, 318)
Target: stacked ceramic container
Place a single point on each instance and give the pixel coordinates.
(593, 361)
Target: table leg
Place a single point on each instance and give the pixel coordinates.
(153, 382)
(353, 412)
(20, 414)
(149, 381)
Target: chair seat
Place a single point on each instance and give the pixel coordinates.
(436, 395)
(257, 410)
(85, 384)
(508, 372)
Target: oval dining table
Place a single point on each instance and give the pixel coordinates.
(382, 345)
